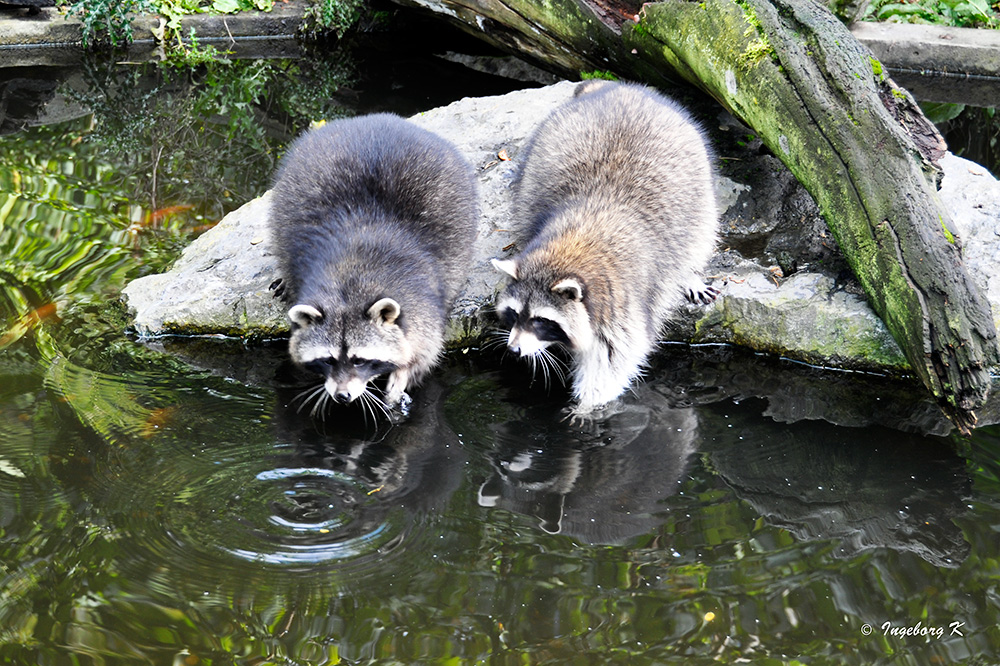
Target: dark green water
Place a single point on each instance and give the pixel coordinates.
(168, 504)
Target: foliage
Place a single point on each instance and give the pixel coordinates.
(334, 16)
(959, 13)
(206, 147)
(107, 21)
(173, 11)
(974, 132)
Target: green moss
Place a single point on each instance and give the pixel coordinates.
(876, 68)
(755, 52)
(598, 74)
(947, 234)
(758, 48)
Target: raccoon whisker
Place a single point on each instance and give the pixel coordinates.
(558, 369)
(544, 365)
(495, 338)
(490, 345)
(320, 406)
(371, 402)
(307, 395)
(365, 408)
(533, 360)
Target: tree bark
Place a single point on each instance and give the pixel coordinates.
(819, 100)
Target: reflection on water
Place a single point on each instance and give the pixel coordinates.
(865, 491)
(177, 503)
(600, 483)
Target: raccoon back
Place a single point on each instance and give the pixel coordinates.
(625, 147)
(376, 170)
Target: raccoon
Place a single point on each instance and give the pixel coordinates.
(373, 221)
(617, 196)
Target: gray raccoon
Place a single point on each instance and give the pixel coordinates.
(617, 195)
(373, 221)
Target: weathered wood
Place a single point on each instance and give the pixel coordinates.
(795, 74)
(865, 152)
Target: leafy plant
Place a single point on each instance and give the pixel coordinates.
(958, 13)
(335, 16)
(188, 157)
(107, 20)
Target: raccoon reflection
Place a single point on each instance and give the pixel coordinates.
(601, 486)
(617, 194)
(373, 221)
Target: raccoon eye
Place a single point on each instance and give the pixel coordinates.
(548, 330)
(319, 366)
(358, 362)
(508, 316)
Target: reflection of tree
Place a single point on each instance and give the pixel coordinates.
(207, 136)
(90, 202)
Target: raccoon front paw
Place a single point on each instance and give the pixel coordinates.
(698, 292)
(583, 416)
(395, 387)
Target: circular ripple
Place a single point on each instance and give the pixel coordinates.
(279, 519)
(306, 516)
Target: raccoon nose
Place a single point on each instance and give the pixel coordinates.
(342, 396)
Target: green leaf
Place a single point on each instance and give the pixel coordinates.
(938, 112)
(226, 6)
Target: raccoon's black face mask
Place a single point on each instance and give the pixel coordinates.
(538, 312)
(346, 379)
(543, 329)
(348, 351)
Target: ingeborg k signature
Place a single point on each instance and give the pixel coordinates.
(918, 629)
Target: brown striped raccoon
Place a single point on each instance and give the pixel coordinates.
(617, 195)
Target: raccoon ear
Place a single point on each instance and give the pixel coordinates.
(385, 311)
(304, 315)
(569, 288)
(508, 266)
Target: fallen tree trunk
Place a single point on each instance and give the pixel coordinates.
(792, 72)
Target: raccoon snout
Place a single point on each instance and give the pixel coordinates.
(343, 392)
(524, 343)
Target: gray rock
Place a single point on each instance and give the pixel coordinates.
(790, 297)
(219, 285)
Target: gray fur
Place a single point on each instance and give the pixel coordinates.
(617, 197)
(373, 221)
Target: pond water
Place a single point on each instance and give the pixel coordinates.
(170, 503)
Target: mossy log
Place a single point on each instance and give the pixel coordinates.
(819, 100)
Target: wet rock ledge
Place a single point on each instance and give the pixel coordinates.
(784, 287)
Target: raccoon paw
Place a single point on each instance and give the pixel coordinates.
(395, 388)
(278, 287)
(582, 416)
(405, 403)
(698, 292)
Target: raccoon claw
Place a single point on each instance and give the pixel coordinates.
(278, 287)
(579, 417)
(405, 403)
(703, 294)
(399, 411)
